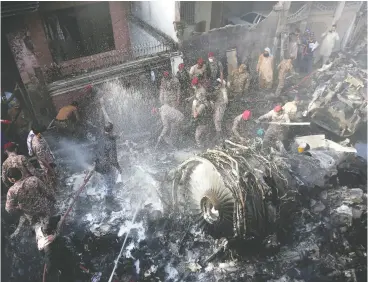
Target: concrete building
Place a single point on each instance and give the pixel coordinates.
(60, 47)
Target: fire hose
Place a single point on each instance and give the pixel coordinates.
(81, 188)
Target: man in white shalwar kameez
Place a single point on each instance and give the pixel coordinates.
(330, 38)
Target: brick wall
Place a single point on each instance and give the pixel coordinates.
(118, 13)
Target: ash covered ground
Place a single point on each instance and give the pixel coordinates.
(164, 246)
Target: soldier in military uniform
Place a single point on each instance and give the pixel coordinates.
(215, 71)
(41, 150)
(201, 111)
(17, 161)
(239, 82)
(221, 100)
(30, 196)
(284, 68)
(239, 123)
(169, 91)
(198, 70)
(185, 90)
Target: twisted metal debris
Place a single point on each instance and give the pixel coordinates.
(235, 184)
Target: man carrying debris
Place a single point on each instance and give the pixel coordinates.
(239, 122)
(221, 101)
(201, 111)
(16, 161)
(67, 118)
(275, 133)
(169, 91)
(285, 67)
(41, 150)
(30, 196)
(265, 69)
(107, 159)
(198, 70)
(214, 70)
(172, 121)
(329, 41)
(239, 82)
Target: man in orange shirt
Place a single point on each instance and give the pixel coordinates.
(67, 118)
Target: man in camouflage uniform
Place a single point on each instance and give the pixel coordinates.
(169, 91)
(41, 150)
(172, 120)
(215, 71)
(221, 101)
(198, 70)
(284, 68)
(239, 123)
(239, 82)
(17, 161)
(185, 91)
(30, 196)
(275, 134)
(201, 111)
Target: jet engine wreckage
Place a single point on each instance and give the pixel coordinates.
(234, 191)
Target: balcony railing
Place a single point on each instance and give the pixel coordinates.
(75, 67)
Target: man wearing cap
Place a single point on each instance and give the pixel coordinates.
(275, 132)
(239, 82)
(169, 90)
(215, 71)
(184, 80)
(285, 67)
(239, 122)
(30, 196)
(201, 111)
(265, 69)
(198, 70)
(17, 161)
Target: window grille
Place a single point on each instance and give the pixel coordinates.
(187, 11)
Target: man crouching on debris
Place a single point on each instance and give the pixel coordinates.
(239, 123)
(107, 159)
(61, 263)
(29, 196)
(276, 133)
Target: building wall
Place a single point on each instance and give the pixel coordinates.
(203, 13)
(159, 14)
(27, 62)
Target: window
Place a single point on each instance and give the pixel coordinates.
(187, 12)
(79, 31)
(250, 17)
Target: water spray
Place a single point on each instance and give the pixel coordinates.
(125, 239)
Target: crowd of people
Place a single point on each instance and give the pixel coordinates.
(199, 94)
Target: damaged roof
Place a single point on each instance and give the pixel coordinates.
(9, 9)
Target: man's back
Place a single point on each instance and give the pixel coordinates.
(66, 112)
(14, 161)
(106, 156)
(31, 196)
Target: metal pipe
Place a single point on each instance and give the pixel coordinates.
(287, 123)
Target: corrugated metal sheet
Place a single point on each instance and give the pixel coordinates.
(9, 9)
